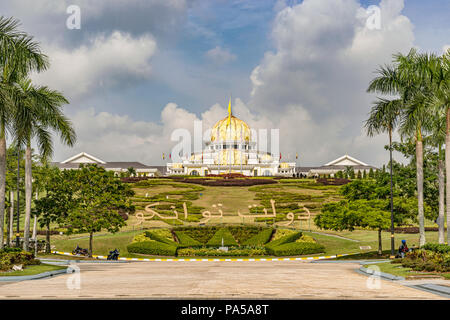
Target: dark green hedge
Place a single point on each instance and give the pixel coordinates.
(260, 239)
(186, 241)
(216, 240)
(286, 239)
(436, 247)
(295, 249)
(153, 248)
(158, 238)
(201, 234)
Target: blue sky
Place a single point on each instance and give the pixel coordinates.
(288, 64)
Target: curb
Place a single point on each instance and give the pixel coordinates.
(36, 276)
(217, 259)
(386, 276)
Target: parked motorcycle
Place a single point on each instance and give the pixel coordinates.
(113, 255)
(80, 251)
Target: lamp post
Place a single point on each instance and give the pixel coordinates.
(18, 195)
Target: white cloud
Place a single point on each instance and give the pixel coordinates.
(313, 85)
(105, 62)
(220, 56)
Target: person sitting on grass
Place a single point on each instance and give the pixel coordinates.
(403, 249)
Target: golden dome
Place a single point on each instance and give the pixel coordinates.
(237, 130)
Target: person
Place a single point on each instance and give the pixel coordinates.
(403, 249)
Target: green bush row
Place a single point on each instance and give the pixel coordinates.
(437, 247)
(209, 252)
(152, 247)
(295, 249)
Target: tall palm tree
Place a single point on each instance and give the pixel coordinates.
(440, 98)
(409, 80)
(437, 140)
(383, 118)
(19, 55)
(38, 111)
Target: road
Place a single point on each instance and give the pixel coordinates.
(201, 280)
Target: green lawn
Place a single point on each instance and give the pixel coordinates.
(32, 270)
(397, 270)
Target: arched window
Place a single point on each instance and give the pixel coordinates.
(194, 173)
(267, 173)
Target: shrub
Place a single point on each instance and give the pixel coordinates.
(243, 233)
(286, 239)
(280, 233)
(209, 252)
(13, 256)
(152, 247)
(259, 239)
(157, 237)
(305, 238)
(436, 247)
(224, 234)
(186, 241)
(140, 238)
(295, 249)
(201, 234)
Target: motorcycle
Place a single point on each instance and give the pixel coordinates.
(113, 255)
(80, 251)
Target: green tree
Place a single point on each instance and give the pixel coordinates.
(59, 198)
(348, 215)
(131, 172)
(439, 97)
(19, 55)
(37, 113)
(99, 197)
(410, 81)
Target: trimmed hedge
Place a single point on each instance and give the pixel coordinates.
(201, 234)
(437, 247)
(216, 240)
(159, 238)
(209, 252)
(295, 249)
(286, 239)
(153, 247)
(186, 241)
(260, 239)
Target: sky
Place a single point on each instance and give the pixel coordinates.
(136, 70)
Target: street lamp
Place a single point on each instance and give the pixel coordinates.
(18, 195)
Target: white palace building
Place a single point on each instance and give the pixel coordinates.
(231, 149)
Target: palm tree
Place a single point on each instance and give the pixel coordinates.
(440, 98)
(409, 79)
(19, 55)
(37, 112)
(437, 140)
(383, 117)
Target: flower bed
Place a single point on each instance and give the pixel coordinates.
(431, 257)
(15, 256)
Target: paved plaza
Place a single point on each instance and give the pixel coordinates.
(202, 280)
